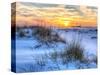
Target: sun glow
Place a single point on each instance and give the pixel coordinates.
(66, 24)
(62, 16)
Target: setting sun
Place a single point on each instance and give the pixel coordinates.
(62, 16)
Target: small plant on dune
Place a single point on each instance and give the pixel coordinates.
(74, 51)
(21, 34)
(42, 32)
(45, 37)
(40, 61)
(54, 57)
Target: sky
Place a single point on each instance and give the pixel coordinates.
(55, 15)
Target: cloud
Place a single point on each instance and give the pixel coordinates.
(45, 12)
(38, 5)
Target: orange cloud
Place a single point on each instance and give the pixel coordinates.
(62, 16)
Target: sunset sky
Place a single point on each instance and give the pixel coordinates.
(56, 15)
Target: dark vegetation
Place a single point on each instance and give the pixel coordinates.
(47, 36)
